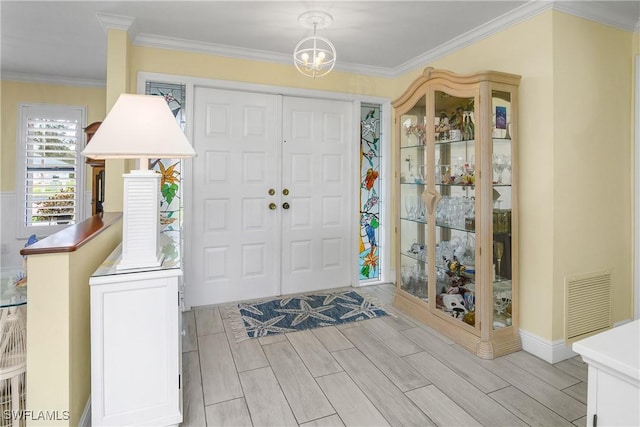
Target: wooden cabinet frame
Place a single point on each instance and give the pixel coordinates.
(491, 332)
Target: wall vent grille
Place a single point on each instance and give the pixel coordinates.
(588, 299)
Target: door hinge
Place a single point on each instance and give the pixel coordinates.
(179, 381)
(595, 420)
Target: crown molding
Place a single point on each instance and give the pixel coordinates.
(161, 42)
(516, 16)
(496, 25)
(55, 80)
(594, 11)
(118, 22)
(598, 12)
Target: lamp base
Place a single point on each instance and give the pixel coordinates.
(141, 221)
(128, 264)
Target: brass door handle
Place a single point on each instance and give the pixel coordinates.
(272, 206)
(285, 205)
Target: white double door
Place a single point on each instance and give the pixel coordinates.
(272, 212)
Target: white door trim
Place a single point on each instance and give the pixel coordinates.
(636, 192)
(356, 99)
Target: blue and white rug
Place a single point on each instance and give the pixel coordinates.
(294, 313)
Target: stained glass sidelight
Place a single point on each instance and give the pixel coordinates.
(169, 169)
(370, 179)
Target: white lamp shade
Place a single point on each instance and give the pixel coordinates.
(139, 126)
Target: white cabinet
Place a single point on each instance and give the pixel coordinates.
(613, 395)
(135, 346)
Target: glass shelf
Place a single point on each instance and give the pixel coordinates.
(455, 227)
(419, 146)
(414, 257)
(468, 133)
(460, 141)
(417, 220)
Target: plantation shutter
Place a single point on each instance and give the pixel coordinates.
(51, 146)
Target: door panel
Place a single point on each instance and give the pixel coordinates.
(247, 144)
(316, 229)
(234, 234)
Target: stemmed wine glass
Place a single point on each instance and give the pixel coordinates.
(410, 206)
(498, 250)
(499, 165)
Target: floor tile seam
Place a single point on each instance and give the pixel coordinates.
(550, 409)
(244, 396)
(381, 371)
(353, 380)
(285, 395)
(520, 384)
(445, 394)
(573, 385)
(515, 414)
(524, 367)
(452, 366)
(541, 403)
(233, 357)
(302, 359)
(393, 384)
(453, 396)
(202, 386)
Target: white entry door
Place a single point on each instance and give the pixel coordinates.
(316, 229)
(247, 238)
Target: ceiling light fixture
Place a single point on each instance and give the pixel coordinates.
(314, 56)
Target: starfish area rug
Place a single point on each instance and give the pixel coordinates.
(294, 313)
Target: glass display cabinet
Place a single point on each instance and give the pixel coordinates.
(456, 207)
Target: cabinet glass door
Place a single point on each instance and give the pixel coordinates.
(413, 216)
(502, 207)
(455, 154)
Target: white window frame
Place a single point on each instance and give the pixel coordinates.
(52, 111)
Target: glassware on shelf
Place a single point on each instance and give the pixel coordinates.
(499, 165)
(498, 250)
(410, 206)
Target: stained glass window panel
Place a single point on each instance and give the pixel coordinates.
(171, 205)
(370, 192)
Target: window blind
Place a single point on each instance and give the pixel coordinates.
(51, 170)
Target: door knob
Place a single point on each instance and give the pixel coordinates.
(272, 206)
(285, 205)
(272, 191)
(285, 191)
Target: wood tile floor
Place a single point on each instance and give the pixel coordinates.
(379, 372)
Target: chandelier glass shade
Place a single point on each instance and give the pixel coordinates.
(314, 56)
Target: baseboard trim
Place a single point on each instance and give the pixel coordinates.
(549, 351)
(85, 419)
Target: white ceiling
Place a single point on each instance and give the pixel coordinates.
(65, 40)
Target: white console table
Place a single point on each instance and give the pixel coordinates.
(135, 345)
(613, 389)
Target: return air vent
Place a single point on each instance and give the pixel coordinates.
(588, 299)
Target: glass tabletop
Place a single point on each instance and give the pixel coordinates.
(10, 294)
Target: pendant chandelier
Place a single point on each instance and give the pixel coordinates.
(314, 56)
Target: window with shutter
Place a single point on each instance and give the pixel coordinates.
(51, 170)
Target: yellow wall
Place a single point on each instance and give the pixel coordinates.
(573, 130)
(219, 68)
(14, 93)
(575, 180)
(526, 50)
(58, 332)
(593, 192)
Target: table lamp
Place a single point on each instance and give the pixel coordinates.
(140, 127)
